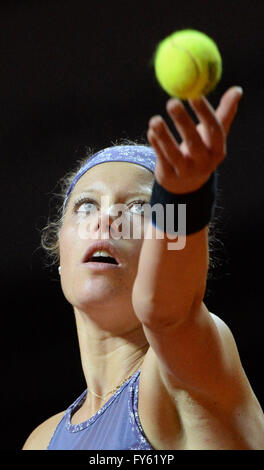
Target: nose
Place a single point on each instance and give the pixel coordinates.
(106, 222)
(111, 220)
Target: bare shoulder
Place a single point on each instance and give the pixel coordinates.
(231, 352)
(226, 414)
(39, 438)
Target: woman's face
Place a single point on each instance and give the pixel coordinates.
(90, 217)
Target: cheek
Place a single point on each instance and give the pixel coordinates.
(68, 242)
(133, 258)
(69, 250)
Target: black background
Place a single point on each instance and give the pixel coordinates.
(76, 73)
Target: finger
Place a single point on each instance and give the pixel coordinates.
(212, 129)
(163, 167)
(227, 108)
(167, 144)
(185, 126)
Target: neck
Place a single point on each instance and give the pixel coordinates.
(107, 358)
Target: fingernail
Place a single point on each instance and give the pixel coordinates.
(173, 101)
(155, 120)
(239, 89)
(197, 100)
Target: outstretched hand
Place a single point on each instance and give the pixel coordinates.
(184, 168)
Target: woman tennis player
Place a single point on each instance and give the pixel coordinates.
(162, 372)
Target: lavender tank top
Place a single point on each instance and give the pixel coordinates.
(115, 426)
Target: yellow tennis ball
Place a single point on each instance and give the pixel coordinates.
(188, 64)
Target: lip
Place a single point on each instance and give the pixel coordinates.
(101, 245)
(95, 266)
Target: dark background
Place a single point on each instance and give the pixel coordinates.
(75, 73)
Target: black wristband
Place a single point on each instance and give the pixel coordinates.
(200, 205)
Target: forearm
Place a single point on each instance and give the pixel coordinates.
(174, 279)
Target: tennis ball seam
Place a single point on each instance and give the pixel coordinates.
(194, 61)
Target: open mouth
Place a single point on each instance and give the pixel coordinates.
(102, 259)
(100, 253)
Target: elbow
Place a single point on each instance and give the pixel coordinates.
(143, 304)
(160, 314)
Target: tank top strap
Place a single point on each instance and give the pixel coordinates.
(134, 416)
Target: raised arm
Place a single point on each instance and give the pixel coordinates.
(192, 355)
(175, 280)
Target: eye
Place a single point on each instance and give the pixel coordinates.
(138, 207)
(85, 206)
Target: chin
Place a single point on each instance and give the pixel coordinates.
(93, 292)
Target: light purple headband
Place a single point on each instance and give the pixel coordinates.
(139, 154)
